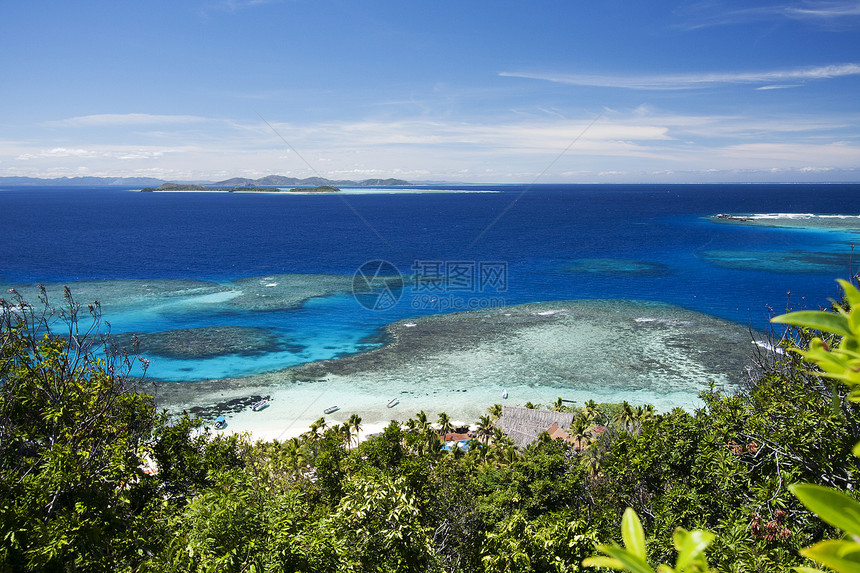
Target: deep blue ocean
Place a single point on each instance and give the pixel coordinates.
(557, 242)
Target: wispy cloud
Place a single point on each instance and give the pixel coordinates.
(93, 153)
(692, 81)
(124, 119)
(842, 13)
(620, 145)
(825, 10)
(235, 5)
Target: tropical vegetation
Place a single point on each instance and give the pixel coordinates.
(94, 478)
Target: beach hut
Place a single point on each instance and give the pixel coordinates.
(523, 425)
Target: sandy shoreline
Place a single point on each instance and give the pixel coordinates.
(609, 351)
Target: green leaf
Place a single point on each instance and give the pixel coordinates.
(629, 561)
(833, 506)
(632, 534)
(856, 450)
(601, 561)
(852, 295)
(843, 556)
(816, 319)
(807, 570)
(691, 546)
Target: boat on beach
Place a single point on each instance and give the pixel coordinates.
(331, 409)
(393, 403)
(220, 423)
(260, 405)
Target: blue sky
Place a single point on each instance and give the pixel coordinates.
(475, 91)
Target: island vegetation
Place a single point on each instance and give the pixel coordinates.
(240, 188)
(94, 478)
(193, 187)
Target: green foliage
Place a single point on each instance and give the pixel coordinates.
(73, 495)
(839, 361)
(380, 521)
(72, 438)
(690, 546)
(556, 544)
(189, 459)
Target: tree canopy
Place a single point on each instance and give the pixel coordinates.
(93, 478)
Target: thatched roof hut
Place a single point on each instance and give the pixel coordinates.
(524, 424)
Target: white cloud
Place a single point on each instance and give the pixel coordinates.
(836, 13)
(824, 10)
(58, 153)
(640, 142)
(692, 81)
(124, 119)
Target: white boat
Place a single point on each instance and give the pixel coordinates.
(393, 402)
(505, 394)
(331, 409)
(260, 405)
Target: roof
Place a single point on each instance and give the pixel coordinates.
(524, 424)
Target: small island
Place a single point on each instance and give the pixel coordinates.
(180, 187)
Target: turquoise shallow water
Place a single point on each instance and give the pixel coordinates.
(248, 285)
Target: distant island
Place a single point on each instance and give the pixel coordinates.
(236, 182)
(173, 187)
(282, 181)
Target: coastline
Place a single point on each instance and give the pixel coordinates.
(609, 351)
(342, 191)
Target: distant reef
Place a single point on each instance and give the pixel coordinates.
(317, 189)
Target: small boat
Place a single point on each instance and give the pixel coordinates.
(260, 405)
(331, 409)
(220, 423)
(505, 394)
(393, 403)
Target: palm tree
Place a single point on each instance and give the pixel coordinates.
(645, 414)
(580, 432)
(485, 429)
(432, 444)
(345, 433)
(314, 429)
(627, 416)
(498, 435)
(592, 411)
(591, 461)
(422, 420)
(354, 422)
(456, 452)
(559, 405)
(478, 451)
(444, 423)
(294, 457)
(495, 411)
